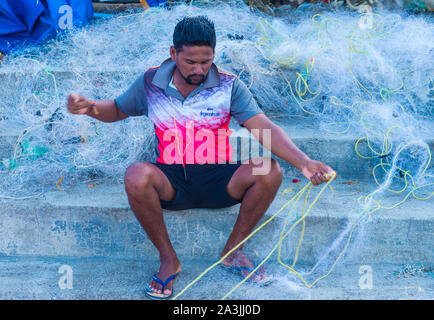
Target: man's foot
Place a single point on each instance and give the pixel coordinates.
(238, 262)
(168, 268)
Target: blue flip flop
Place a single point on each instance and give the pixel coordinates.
(239, 272)
(160, 296)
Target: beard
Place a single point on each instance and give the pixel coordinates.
(192, 82)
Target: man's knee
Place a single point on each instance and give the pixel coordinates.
(273, 173)
(138, 177)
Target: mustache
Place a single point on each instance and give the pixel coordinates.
(196, 75)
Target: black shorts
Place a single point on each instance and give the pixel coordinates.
(205, 186)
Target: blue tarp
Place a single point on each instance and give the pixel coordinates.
(32, 21)
(156, 3)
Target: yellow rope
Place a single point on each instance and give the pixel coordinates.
(295, 200)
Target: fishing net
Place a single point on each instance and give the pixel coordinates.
(368, 74)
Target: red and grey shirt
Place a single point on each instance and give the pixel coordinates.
(192, 130)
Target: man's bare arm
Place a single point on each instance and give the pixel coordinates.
(103, 110)
(283, 147)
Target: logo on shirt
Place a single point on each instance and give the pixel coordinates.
(209, 113)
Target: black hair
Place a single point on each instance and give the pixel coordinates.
(194, 31)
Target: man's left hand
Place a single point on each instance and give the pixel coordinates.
(317, 172)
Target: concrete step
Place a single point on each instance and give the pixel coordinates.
(83, 221)
(336, 150)
(102, 278)
(64, 76)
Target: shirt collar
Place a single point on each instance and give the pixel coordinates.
(171, 83)
(164, 74)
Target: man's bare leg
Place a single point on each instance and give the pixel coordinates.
(257, 192)
(145, 185)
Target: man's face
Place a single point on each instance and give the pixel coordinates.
(193, 62)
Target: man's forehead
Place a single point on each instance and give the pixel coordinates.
(196, 52)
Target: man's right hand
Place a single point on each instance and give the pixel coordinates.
(78, 104)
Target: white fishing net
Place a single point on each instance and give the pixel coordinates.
(369, 75)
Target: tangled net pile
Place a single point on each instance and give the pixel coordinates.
(369, 75)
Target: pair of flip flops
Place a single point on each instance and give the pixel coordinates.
(160, 296)
(239, 272)
(235, 270)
